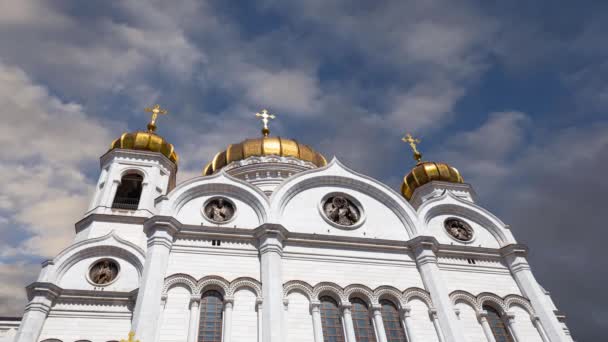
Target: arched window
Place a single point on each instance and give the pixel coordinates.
(128, 193)
(210, 324)
(331, 321)
(392, 322)
(499, 330)
(364, 330)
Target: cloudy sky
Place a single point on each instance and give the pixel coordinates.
(515, 95)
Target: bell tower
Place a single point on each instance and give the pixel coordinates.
(139, 167)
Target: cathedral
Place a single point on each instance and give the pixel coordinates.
(273, 242)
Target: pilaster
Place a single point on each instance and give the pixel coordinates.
(379, 323)
(426, 259)
(41, 299)
(317, 325)
(160, 231)
(406, 317)
(515, 257)
(270, 245)
(347, 318)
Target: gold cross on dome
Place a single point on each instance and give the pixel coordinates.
(131, 336)
(412, 142)
(156, 111)
(265, 116)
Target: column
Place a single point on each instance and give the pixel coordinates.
(228, 306)
(347, 318)
(259, 311)
(43, 296)
(406, 318)
(539, 327)
(160, 232)
(435, 320)
(515, 256)
(379, 323)
(485, 325)
(431, 278)
(317, 325)
(510, 320)
(195, 302)
(270, 242)
(163, 303)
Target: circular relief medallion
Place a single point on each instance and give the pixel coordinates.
(219, 210)
(340, 210)
(458, 229)
(103, 272)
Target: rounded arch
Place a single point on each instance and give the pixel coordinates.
(362, 292)
(336, 174)
(245, 282)
(331, 290)
(467, 298)
(448, 204)
(180, 279)
(213, 283)
(298, 286)
(218, 184)
(492, 300)
(516, 300)
(415, 292)
(109, 245)
(132, 169)
(391, 294)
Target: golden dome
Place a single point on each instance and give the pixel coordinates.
(425, 172)
(147, 141)
(264, 146)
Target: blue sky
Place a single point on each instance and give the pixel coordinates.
(513, 94)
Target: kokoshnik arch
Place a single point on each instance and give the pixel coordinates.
(272, 243)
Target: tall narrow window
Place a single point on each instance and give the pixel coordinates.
(392, 323)
(331, 321)
(499, 330)
(128, 193)
(210, 324)
(364, 330)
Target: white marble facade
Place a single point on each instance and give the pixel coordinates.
(278, 255)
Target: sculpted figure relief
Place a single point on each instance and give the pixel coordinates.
(104, 272)
(219, 210)
(459, 229)
(341, 211)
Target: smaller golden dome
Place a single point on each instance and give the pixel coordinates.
(146, 141)
(264, 146)
(425, 172)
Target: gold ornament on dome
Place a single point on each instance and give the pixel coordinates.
(413, 144)
(265, 119)
(156, 111)
(425, 172)
(131, 338)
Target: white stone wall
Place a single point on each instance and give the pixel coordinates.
(302, 214)
(473, 331)
(299, 319)
(174, 326)
(77, 325)
(227, 261)
(477, 279)
(423, 329)
(523, 325)
(347, 267)
(244, 317)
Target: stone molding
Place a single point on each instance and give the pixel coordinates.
(343, 295)
(226, 288)
(161, 160)
(56, 294)
(502, 304)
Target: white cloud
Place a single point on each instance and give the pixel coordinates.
(45, 143)
(14, 276)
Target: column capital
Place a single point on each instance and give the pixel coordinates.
(195, 300)
(48, 291)
(424, 242)
(433, 313)
(229, 300)
(315, 305)
(270, 230)
(406, 311)
(167, 224)
(509, 316)
(346, 307)
(376, 308)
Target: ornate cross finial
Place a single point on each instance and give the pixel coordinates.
(131, 336)
(265, 116)
(412, 142)
(156, 110)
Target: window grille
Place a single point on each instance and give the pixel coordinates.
(499, 329)
(210, 323)
(364, 330)
(392, 322)
(331, 320)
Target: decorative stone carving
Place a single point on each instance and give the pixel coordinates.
(458, 229)
(341, 210)
(104, 272)
(219, 210)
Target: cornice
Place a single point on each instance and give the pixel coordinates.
(168, 224)
(90, 218)
(514, 249)
(48, 290)
(138, 154)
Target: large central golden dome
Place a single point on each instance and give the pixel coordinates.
(264, 146)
